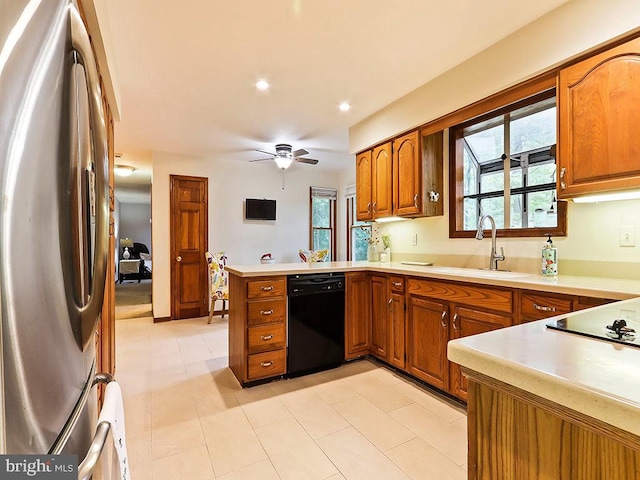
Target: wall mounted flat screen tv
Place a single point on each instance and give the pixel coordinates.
(259, 209)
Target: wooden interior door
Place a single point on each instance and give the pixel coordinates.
(189, 240)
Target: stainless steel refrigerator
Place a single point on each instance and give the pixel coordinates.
(53, 227)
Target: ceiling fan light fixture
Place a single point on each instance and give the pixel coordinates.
(344, 106)
(283, 162)
(262, 85)
(123, 170)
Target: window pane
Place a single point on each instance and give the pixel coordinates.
(320, 212)
(516, 211)
(542, 209)
(495, 208)
(542, 173)
(360, 241)
(322, 240)
(516, 178)
(470, 174)
(471, 216)
(533, 130)
(492, 182)
(487, 144)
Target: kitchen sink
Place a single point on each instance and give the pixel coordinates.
(482, 273)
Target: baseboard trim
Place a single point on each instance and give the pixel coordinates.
(161, 319)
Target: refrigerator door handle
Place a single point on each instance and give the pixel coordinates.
(90, 461)
(85, 274)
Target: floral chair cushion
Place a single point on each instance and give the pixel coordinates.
(218, 276)
(311, 256)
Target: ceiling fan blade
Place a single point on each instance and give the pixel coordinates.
(260, 159)
(268, 153)
(310, 161)
(302, 151)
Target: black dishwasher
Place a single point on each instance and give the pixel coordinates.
(315, 322)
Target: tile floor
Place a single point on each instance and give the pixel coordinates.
(188, 418)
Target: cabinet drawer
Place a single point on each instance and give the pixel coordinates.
(489, 298)
(397, 284)
(266, 337)
(268, 364)
(537, 307)
(273, 287)
(266, 311)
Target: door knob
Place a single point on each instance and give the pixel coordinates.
(178, 258)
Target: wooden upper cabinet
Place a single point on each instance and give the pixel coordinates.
(382, 183)
(407, 174)
(364, 191)
(599, 146)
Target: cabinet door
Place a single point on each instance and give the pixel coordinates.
(380, 317)
(538, 305)
(598, 117)
(382, 181)
(397, 331)
(357, 315)
(466, 322)
(363, 186)
(428, 335)
(407, 174)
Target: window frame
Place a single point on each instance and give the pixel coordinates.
(351, 225)
(544, 91)
(332, 221)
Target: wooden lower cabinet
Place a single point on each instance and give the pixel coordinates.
(428, 336)
(466, 322)
(397, 331)
(357, 315)
(380, 317)
(514, 434)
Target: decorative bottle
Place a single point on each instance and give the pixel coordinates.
(549, 258)
(126, 255)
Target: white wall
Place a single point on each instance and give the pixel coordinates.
(229, 184)
(135, 222)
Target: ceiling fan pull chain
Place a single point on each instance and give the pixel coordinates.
(282, 179)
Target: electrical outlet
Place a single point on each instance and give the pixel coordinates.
(414, 240)
(628, 236)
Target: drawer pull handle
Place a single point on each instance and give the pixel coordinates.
(542, 308)
(266, 337)
(266, 364)
(442, 319)
(455, 322)
(563, 172)
(396, 284)
(266, 312)
(415, 200)
(267, 289)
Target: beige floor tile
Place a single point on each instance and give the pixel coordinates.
(212, 399)
(232, 441)
(314, 414)
(337, 476)
(139, 453)
(193, 464)
(262, 406)
(176, 438)
(172, 406)
(381, 390)
(258, 471)
(378, 427)
(293, 453)
(422, 461)
(170, 377)
(446, 438)
(357, 458)
(333, 390)
(137, 413)
(431, 401)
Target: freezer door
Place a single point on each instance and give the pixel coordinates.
(53, 221)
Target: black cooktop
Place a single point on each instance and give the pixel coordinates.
(603, 327)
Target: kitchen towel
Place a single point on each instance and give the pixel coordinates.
(113, 413)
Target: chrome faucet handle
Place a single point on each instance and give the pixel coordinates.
(501, 256)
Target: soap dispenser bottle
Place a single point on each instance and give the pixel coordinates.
(549, 258)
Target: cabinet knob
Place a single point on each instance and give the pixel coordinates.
(542, 308)
(178, 258)
(266, 364)
(442, 319)
(563, 172)
(266, 337)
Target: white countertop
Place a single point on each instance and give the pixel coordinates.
(595, 377)
(616, 289)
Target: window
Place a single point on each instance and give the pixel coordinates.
(323, 220)
(503, 164)
(358, 233)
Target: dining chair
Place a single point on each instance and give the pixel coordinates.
(218, 281)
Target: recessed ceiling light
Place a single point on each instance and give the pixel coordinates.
(345, 107)
(262, 85)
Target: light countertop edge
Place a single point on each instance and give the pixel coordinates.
(598, 287)
(595, 377)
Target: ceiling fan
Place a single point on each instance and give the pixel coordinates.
(284, 157)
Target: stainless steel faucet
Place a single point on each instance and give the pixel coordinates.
(495, 258)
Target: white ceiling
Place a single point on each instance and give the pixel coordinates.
(187, 69)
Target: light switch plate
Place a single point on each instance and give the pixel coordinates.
(414, 240)
(628, 236)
